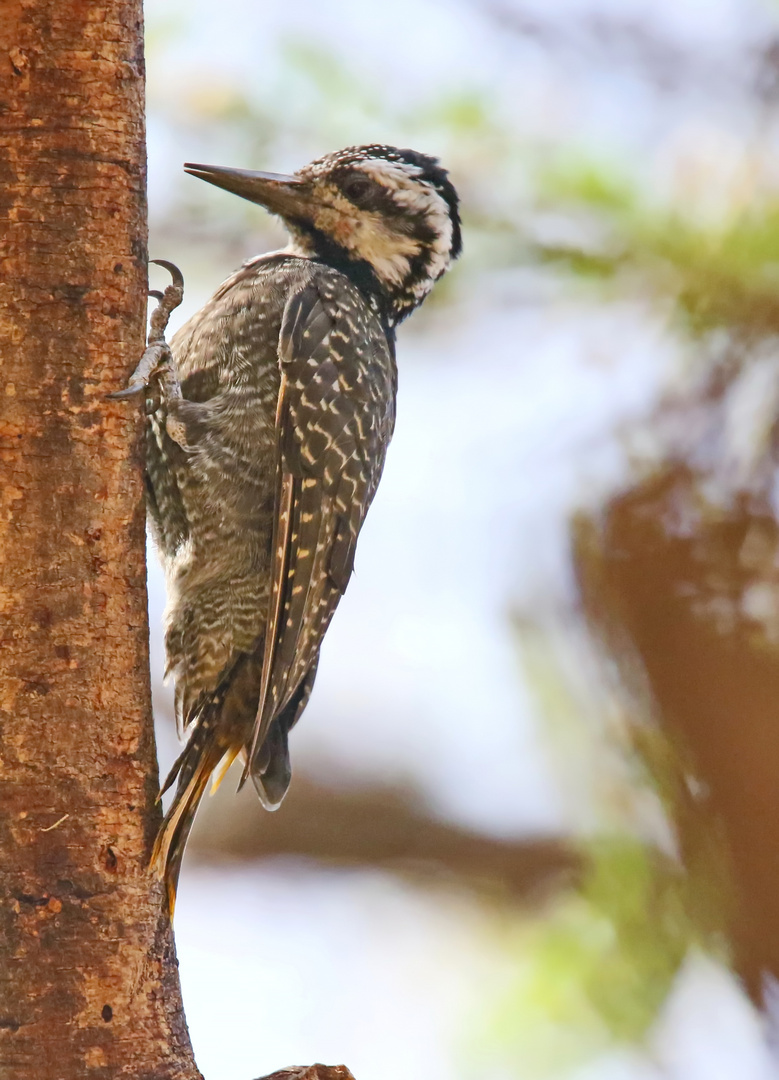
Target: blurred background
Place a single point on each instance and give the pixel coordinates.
(533, 829)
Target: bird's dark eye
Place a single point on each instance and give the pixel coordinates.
(357, 188)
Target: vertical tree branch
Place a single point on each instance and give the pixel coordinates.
(88, 982)
(671, 606)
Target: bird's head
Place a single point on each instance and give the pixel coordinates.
(388, 218)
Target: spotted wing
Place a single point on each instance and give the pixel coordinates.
(334, 421)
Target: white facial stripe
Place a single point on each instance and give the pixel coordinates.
(421, 198)
(389, 249)
(371, 236)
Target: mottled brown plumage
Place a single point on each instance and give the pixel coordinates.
(269, 421)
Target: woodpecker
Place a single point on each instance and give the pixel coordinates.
(268, 421)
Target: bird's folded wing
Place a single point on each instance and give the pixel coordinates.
(333, 424)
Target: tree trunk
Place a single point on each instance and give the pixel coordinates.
(88, 979)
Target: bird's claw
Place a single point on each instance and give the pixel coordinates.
(175, 273)
(129, 391)
(156, 357)
(170, 300)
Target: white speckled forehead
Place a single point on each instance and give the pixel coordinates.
(419, 196)
(350, 156)
(360, 156)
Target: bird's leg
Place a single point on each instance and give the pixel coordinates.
(154, 375)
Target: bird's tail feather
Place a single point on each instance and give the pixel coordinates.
(198, 760)
(220, 728)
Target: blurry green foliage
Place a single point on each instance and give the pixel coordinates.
(597, 968)
(724, 274)
(600, 963)
(600, 185)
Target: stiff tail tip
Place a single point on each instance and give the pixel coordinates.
(168, 851)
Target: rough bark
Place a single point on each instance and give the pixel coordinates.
(88, 977)
(88, 981)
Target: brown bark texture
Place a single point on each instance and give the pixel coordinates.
(88, 979)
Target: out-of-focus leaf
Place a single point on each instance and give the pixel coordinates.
(596, 969)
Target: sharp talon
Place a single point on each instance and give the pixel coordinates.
(129, 392)
(157, 353)
(173, 270)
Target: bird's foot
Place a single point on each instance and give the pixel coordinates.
(154, 376)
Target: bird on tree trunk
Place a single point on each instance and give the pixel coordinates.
(268, 421)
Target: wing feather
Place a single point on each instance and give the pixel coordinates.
(333, 424)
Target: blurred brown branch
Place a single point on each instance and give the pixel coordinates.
(379, 827)
(684, 592)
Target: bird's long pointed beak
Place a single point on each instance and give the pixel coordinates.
(283, 195)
